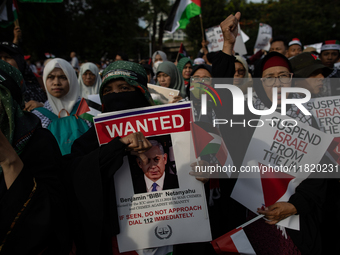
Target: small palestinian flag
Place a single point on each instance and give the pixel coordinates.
(208, 140)
(88, 109)
(182, 11)
(182, 51)
(8, 13)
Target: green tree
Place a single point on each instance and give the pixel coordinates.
(156, 10)
(99, 27)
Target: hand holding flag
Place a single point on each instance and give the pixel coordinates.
(278, 211)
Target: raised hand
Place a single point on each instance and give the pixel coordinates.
(230, 30)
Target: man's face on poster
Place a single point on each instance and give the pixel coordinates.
(155, 167)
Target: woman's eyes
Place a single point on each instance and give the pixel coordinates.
(125, 88)
(52, 77)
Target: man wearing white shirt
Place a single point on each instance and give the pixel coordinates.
(155, 177)
(74, 61)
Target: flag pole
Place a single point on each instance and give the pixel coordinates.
(177, 56)
(251, 221)
(202, 27)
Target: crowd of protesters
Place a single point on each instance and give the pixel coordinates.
(57, 193)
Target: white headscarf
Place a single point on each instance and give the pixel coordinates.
(164, 58)
(85, 91)
(68, 101)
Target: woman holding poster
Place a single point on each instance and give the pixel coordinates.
(275, 71)
(92, 167)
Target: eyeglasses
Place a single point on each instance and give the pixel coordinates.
(240, 71)
(283, 78)
(198, 79)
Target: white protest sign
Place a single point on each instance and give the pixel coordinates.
(214, 36)
(245, 37)
(168, 215)
(275, 163)
(326, 111)
(317, 46)
(161, 94)
(212, 39)
(219, 37)
(263, 37)
(240, 47)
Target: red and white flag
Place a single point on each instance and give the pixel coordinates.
(235, 241)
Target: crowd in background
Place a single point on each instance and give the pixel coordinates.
(46, 206)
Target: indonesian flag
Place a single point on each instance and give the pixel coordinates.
(235, 242)
(267, 188)
(8, 13)
(89, 108)
(182, 11)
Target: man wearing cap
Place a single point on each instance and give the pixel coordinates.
(294, 48)
(329, 56)
(307, 65)
(330, 53)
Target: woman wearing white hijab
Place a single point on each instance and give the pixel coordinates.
(89, 80)
(157, 58)
(62, 89)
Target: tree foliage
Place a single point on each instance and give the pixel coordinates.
(109, 26)
(312, 21)
(99, 27)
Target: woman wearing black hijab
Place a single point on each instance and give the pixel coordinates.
(91, 167)
(33, 212)
(34, 95)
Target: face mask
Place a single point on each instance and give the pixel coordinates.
(124, 101)
(156, 65)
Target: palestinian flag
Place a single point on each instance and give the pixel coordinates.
(88, 109)
(182, 51)
(208, 140)
(182, 11)
(8, 13)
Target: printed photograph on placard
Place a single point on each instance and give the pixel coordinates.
(158, 172)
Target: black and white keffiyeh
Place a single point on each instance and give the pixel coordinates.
(293, 111)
